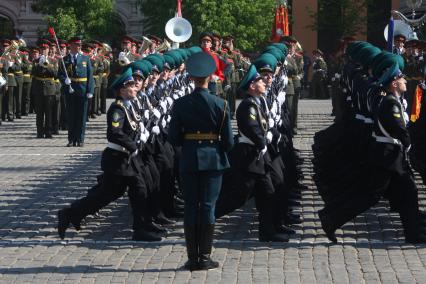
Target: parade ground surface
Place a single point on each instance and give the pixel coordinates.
(40, 176)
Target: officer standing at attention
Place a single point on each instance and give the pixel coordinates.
(79, 87)
(201, 124)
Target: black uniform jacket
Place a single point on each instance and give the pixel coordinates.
(120, 132)
(390, 116)
(251, 120)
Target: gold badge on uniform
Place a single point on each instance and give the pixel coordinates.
(116, 119)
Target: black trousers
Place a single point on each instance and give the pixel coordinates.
(44, 111)
(402, 193)
(110, 188)
(244, 186)
(281, 189)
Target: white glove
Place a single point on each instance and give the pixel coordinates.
(163, 122)
(156, 130)
(142, 126)
(337, 76)
(67, 81)
(143, 138)
(134, 153)
(264, 150)
(271, 123)
(269, 137)
(157, 114)
(163, 105)
(175, 96)
(281, 98)
(169, 117)
(169, 100)
(404, 103)
(285, 79)
(146, 114)
(10, 63)
(226, 88)
(89, 95)
(274, 108)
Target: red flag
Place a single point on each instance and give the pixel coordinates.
(417, 103)
(52, 32)
(280, 27)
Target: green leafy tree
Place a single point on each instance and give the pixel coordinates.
(94, 19)
(250, 21)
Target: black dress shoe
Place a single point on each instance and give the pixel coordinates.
(192, 265)
(142, 235)
(277, 237)
(63, 222)
(39, 135)
(18, 117)
(152, 227)
(327, 228)
(25, 114)
(93, 116)
(48, 136)
(206, 263)
(163, 220)
(283, 229)
(418, 239)
(80, 144)
(10, 119)
(292, 219)
(70, 144)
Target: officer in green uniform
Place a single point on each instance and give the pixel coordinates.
(79, 87)
(104, 86)
(44, 88)
(16, 68)
(201, 125)
(26, 88)
(318, 85)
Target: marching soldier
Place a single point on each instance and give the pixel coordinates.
(63, 107)
(34, 56)
(56, 113)
(79, 88)
(43, 84)
(205, 134)
(120, 165)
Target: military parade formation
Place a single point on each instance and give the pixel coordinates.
(172, 149)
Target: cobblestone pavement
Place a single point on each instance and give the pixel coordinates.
(40, 176)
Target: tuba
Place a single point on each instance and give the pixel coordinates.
(178, 29)
(400, 28)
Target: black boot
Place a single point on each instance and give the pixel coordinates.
(205, 234)
(64, 219)
(191, 247)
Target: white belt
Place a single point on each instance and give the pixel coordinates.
(368, 120)
(383, 139)
(359, 116)
(245, 139)
(117, 147)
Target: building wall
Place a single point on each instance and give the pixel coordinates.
(27, 22)
(301, 21)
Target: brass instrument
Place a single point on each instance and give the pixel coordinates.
(178, 29)
(10, 49)
(163, 47)
(123, 58)
(145, 45)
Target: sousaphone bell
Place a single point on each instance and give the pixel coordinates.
(178, 29)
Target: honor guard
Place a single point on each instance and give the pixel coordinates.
(79, 87)
(200, 124)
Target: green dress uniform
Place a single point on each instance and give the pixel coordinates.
(11, 85)
(200, 124)
(3, 74)
(57, 100)
(44, 87)
(79, 70)
(233, 78)
(98, 70)
(26, 87)
(19, 78)
(318, 85)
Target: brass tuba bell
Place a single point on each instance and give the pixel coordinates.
(178, 29)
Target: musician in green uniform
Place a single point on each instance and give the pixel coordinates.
(26, 88)
(43, 84)
(318, 85)
(201, 125)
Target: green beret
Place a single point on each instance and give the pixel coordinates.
(125, 77)
(266, 62)
(249, 77)
(157, 63)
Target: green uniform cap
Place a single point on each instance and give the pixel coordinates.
(125, 77)
(250, 76)
(266, 62)
(281, 46)
(157, 63)
(138, 68)
(200, 65)
(275, 52)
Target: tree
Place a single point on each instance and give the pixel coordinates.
(249, 21)
(94, 19)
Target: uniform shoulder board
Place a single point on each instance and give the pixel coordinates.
(119, 102)
(382, 93)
